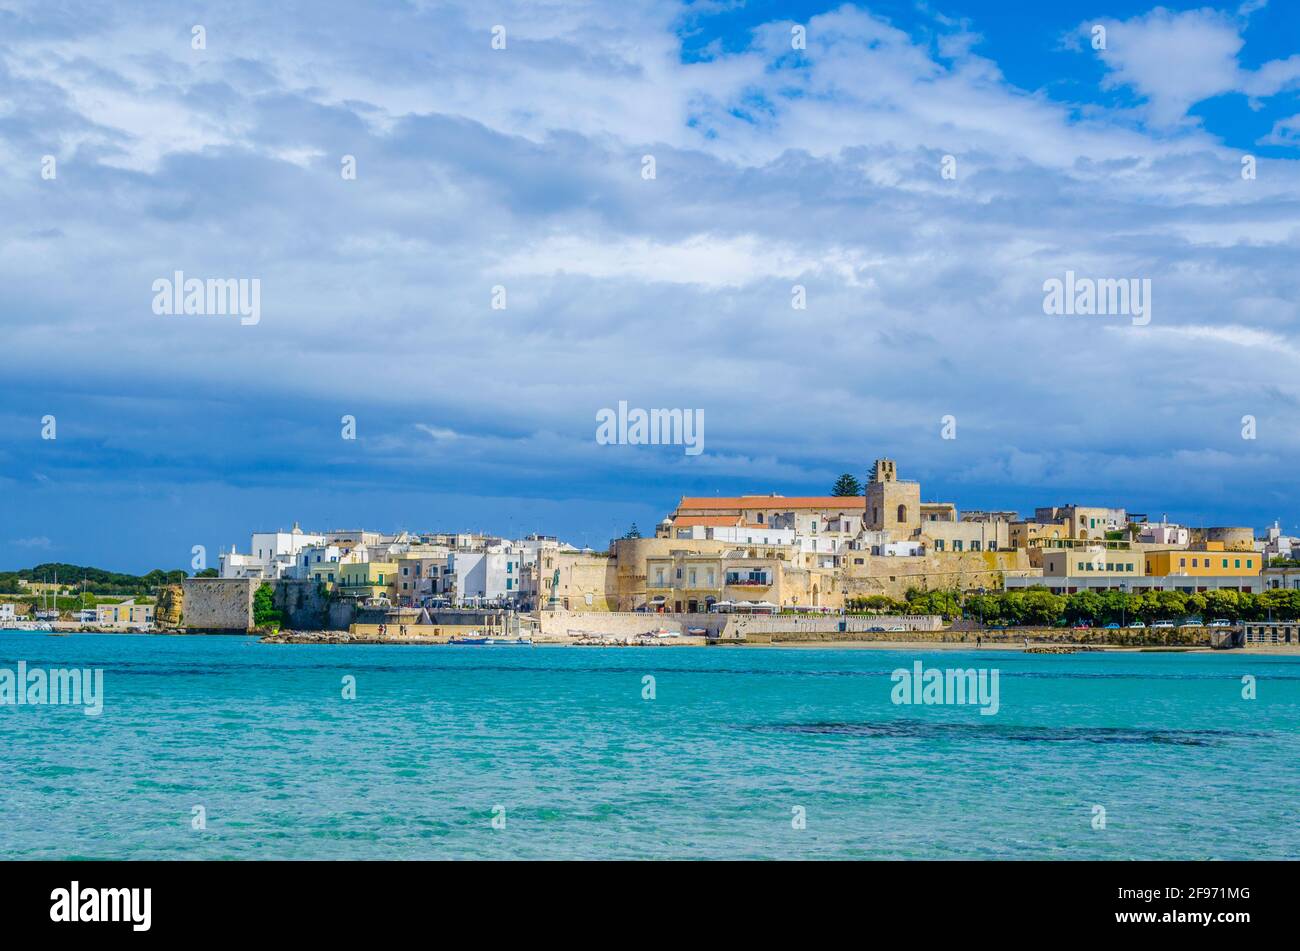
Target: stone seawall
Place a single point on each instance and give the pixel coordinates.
(305, 604)
(833, 627)
(1190, 637)
(623, 623)
(727, 626)
(218, 605)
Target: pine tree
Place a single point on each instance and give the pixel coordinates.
(847, 484)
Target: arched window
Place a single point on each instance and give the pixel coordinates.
(902, 513)
(760, 518)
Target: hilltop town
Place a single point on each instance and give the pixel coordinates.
(747, 555)
(875, 549)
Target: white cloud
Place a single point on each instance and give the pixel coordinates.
(1176, 59)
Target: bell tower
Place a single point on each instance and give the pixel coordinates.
(892, 506)
(884, 471)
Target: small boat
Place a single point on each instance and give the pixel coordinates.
(480, 640)
(696, 631)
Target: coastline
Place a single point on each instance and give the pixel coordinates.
(909, 644)
(1039, 647)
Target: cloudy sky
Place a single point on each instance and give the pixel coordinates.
(524, 168)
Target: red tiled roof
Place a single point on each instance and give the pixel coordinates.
(752, 502)
(710, 520)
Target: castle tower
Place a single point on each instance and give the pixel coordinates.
(892, 506)
(884, 471)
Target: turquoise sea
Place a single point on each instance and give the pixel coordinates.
(734, 743)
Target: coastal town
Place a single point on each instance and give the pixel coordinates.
(874, 560)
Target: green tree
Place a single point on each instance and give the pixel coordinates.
(1222, 604)
(265, 613)
(945, 603)
(1085, 607)
(847, 484)
(633, 532)
(1043, 608)
(985, 607)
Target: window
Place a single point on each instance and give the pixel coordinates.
(902, 513)
(1249, 562)
(1225, 563)
(974, 546)
(510, 583)
(956, 544)
(1237, 563)
(510, 566)
(692, 575)
(760, 518)
(938, 544)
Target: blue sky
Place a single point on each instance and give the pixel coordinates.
(522, 168)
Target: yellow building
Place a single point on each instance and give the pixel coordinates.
(1027, 534)
(327, 573)
(1092, 562)
(1212, 561)
(368, 579)
(124, 612)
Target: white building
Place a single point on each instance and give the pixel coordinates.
(313, 557)
(270, 555)
(1165, 533)
(1277, 545)
(486, 576)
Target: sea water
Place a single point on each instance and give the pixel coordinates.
(223, 747)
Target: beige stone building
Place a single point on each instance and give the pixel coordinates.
(571, 581)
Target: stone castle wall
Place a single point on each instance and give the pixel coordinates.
(218, 605)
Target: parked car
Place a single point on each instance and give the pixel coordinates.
(1191, 624)
(1137, 626)
(1082, 626)
(1163, 624)
(1220, 622)
(1112, 626)
(876, 630)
